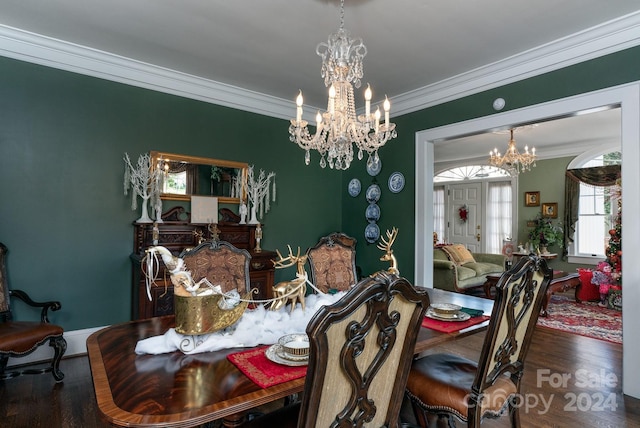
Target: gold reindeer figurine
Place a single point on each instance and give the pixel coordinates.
(290, 291)
(388, 256)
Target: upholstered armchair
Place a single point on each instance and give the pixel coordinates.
(361, 348)
(332, 262)
(221, 263)
(451, 386)
(21, 338)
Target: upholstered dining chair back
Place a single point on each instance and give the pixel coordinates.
(361, 352)
(221, 263)
(450, 385)
(21, 338)
(332, 262)
(518, 301)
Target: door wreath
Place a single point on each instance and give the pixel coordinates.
(463, 212)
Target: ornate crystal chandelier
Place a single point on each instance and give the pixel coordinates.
(513, 161)
(339, 127)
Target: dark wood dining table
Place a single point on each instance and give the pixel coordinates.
(180, 390)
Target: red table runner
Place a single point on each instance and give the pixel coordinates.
(451, 326)
(264, 372)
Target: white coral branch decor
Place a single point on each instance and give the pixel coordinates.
(145, 182)
(260, 192)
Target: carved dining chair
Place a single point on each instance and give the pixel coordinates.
(21, 338)
(332, 262)
(451, 386)
(361, 349)
(221, 263)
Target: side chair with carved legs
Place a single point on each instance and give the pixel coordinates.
(451, 386)
(21, 338)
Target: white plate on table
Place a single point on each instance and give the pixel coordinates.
(445, 310)
(277, 355)
(458, 316)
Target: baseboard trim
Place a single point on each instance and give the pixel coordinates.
(76, 345)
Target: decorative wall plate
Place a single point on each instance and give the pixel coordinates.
(372, 213)
(354, 187)
(373, 167)
(396, 182)
(371, 233)
(373, 193)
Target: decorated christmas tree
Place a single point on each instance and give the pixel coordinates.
(614, 250)
(614, 256)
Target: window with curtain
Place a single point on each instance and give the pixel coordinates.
(175, 182)
(593, 216)
(595, 212)
(499, 216)
(438, 212)
(180, 178)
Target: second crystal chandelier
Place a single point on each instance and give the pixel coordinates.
(338, 128)
(513, 161)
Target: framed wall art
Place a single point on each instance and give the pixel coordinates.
(531, 199)
(550, 210)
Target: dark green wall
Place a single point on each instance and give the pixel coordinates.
(64, 216)
(67, 222)
(399, 155)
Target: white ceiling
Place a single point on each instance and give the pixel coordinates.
(268, 46)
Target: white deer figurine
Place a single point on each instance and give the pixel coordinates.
(388, 256)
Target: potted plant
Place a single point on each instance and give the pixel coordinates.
(545, 234)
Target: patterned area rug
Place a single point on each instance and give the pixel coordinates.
(586, 319)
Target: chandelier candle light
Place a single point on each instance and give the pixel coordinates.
(513, 161)
(339, 127)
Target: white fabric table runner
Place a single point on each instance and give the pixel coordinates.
(256, 327)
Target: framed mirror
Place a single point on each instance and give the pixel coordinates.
(193, 175)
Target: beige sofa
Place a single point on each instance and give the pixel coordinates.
(460, 276)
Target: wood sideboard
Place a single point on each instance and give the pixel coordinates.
(177, 236)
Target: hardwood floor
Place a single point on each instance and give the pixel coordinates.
(590, 397)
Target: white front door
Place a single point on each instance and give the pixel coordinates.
(468, 233)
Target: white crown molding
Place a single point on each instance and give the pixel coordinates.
(603, 39)
(606, 38)
(38, 49)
